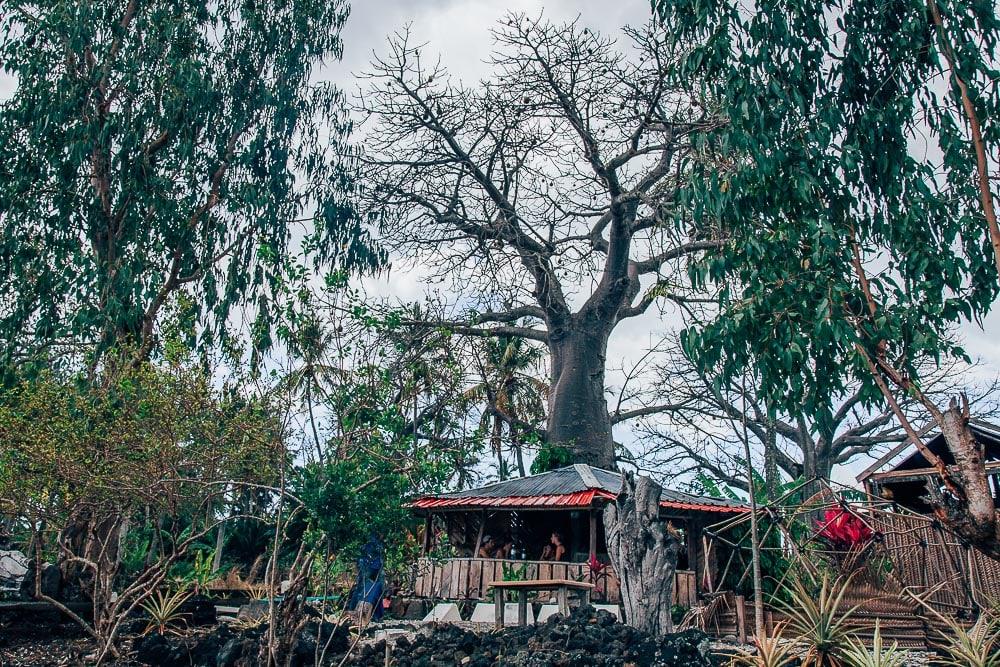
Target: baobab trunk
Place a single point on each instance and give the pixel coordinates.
(643, 550)
(578, 409)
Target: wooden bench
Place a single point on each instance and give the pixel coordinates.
(562, 587)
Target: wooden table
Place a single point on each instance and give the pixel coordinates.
(562, 587)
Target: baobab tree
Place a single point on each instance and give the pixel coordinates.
(548, 194)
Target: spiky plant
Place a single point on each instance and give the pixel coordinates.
(856, 654)
(771, 651)
(164, 609)
(978, 646)
(817, 620)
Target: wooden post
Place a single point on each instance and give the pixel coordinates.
(428, 526)
(741, 619)
(706, 550)
(562, 597)
(522, 607)
(479, 536)
(498, 599)
(693, 531)
(593, 533)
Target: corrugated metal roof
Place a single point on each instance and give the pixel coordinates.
(578, 499)
(573, 486)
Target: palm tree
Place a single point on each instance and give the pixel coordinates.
(311, 343)
(510, 392)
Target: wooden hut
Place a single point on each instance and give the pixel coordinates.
(524, 512)
(901, 475)
(955, 577)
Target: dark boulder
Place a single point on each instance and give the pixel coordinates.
(156, 649)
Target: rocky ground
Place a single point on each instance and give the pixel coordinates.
(586, 638)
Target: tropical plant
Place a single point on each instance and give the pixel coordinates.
(550, 457)
(978, 646)
(202, 571)
(164, 610)
(856, 654)
(513, 572)
(817, 619)
(512, 397)
(150, 447)
(772, 650)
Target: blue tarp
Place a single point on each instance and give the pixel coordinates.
(370, 585)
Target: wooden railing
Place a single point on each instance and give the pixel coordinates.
(469, 578)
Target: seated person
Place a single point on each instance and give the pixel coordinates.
(503, 550)
(555, 549)
(487, 548)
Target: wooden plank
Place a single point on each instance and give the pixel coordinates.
(435, 581)
(545, 570)
(544, 584)
(741, 619)
(489, 574)
(498, 605)
(476, 589)
(560, 571)
(592, 534)
(446, 572)
(421, 586)
(460, 580)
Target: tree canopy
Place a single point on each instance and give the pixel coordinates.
(848, 187)
(857, 195)
(160, 147)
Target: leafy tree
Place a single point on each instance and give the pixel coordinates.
(859, 238)
(311, 343)
(151, 449)
(511, 395)
(159, 147)
(547, 194)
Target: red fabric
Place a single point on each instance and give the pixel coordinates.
(843, 530)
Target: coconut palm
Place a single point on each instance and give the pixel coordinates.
(312, 345)
(510, 394)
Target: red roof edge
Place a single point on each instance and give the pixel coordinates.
(581, 499)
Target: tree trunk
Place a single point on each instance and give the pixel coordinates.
(496, 444)
(771, 478)
(643, 550)
(578, 409)
(973, 517)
